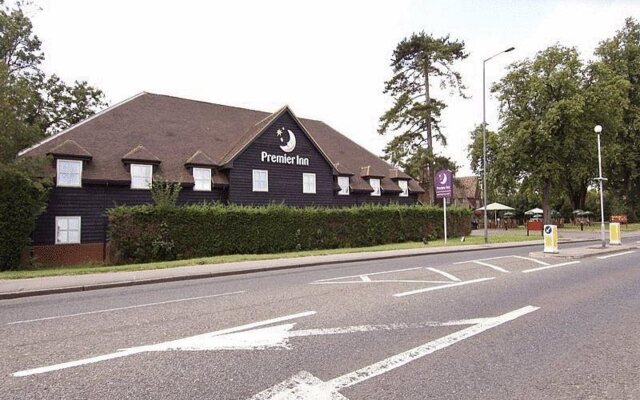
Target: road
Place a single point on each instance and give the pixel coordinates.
(481, 325)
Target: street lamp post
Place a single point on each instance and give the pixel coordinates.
(597, 129)
(484, 142)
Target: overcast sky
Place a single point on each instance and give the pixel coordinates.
(327, 59)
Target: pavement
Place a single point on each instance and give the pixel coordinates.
(492, 324)
(15, 288)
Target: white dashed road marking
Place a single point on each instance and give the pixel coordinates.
(615, 255)
(495, 267)
(526, 271)
(445, 274)
(532, 260)
(429, 289)
(123, 308)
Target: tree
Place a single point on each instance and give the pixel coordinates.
(418, 63)
(22, 199)
(617, 74)
(543, 132)
(33, 105)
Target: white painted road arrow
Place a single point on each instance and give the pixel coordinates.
(308, 387)
(260, 336)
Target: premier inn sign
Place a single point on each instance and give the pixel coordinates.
(287, 148)
(283, 159)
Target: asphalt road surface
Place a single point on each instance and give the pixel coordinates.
(481, 325)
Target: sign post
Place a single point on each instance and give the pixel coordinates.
(550, 239)
(444, 190)
(614, 233)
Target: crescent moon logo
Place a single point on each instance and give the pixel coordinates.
(291, 144)
(443, 179)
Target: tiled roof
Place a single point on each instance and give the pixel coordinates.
(200, 158)
(465, 187)
(173, 131)
(70, 148)
(140, 153)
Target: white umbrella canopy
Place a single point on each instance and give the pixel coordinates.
(496, 207)
(534, 211)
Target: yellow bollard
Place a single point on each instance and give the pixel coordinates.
(614, 233)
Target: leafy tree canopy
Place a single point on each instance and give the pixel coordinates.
(418, 63)
(33, 104)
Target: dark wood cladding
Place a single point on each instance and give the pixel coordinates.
(91, 201)
(285, 181)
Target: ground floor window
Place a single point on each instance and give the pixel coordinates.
(260, 180)
(343, 182)
(375, 184)
(68, 230)
(309, 183)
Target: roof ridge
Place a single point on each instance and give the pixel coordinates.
(207, 102)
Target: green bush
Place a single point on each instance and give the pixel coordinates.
(22, 199)
(148, 233)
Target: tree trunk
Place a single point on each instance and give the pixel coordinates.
(431, 166)
(546, 210)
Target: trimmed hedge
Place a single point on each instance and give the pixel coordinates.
(148, 233)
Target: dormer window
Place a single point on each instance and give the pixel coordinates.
(141, 176)
(343, 182)
(68, 173)
(404, 185)
(202, 179)
(375, 184)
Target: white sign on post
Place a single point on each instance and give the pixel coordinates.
(444, 190)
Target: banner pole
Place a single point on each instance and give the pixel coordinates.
(444, 200)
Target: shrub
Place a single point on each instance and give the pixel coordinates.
(165, 194)
(22, 199)
(149, 233)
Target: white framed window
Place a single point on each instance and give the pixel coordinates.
(68, 230)
(202, 179)
(343, 182)
(309, 183)
(141, 176)
(375, 184)
(260, 180)
(404, 185)
(69, 173)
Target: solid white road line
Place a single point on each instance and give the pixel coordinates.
(482, 259)
(378, 281)
(499, 269)
(532, 259)
(306, 386)
(401, 359)
(615, 255)
(123, 308)
(371, 274)
(429, 289)
(141, 349)
(526, 271)
(445, 274)
(365, 278)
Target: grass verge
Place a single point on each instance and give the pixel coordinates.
(98, 268)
